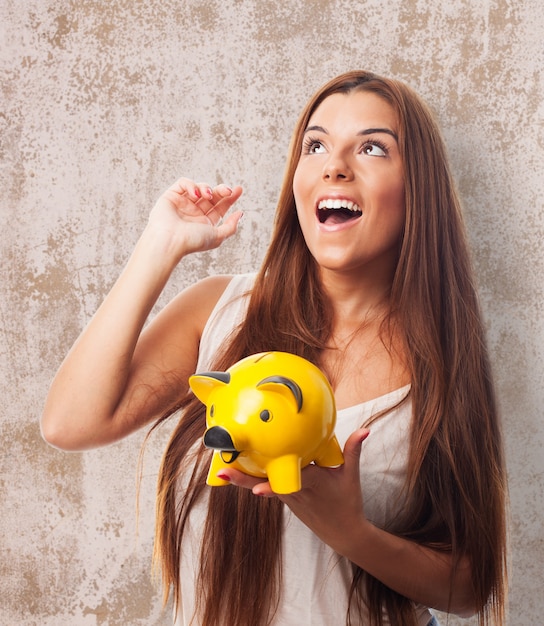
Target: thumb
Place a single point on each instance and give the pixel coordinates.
(225, 230)
(352, 448)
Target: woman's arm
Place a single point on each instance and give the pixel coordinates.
(117, 378)
(331, 505)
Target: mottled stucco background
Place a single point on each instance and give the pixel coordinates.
(103, 105)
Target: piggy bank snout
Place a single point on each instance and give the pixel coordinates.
(218, 438)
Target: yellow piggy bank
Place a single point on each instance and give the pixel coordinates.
(269, 415)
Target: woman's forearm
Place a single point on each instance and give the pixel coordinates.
(91, 384)
(115, 378)
(331, 505)
(423, 574)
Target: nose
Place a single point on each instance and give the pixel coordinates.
(337, 168)
(218, 438)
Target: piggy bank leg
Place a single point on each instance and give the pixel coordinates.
(332, 455)
(215, 466)
(284, 474)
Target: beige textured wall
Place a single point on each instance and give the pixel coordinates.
(104, 104)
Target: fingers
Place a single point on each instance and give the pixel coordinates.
(218, 201)
(187, 187)
(201, 200)
(312, 476)
(203, 191)
(205, 194)
(235, 477)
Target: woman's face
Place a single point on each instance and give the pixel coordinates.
(349, 186)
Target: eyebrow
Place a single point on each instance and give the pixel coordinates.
(366, 131)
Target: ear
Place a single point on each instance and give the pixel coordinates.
(203, 384)
(287, 387)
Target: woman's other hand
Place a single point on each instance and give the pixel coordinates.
(330, 502)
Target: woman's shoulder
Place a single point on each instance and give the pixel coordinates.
(213, 291)
(215, 286)
(212, 286)
(198, 311)
(230, 305)
(204, 295)
(187, 313)
(197, 301)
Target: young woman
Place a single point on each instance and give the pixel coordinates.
(368, 276)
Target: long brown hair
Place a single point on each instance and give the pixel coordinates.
(455, 483)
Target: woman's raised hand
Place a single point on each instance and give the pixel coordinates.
(190, 216)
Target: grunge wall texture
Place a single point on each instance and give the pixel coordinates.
(103, 105)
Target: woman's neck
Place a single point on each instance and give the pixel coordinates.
(356, 300)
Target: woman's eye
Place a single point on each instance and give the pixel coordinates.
(313, 146)
(317, 147)
(374, 149)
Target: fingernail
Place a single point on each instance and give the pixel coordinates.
(197, 193)
(223, 476)
(210, 193)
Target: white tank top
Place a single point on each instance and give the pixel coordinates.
(316, 580)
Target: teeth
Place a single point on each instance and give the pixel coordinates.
(329, 203)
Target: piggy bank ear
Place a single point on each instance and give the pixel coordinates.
(287, 387)
(203, 384)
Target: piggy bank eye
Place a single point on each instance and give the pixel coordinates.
(212, 410)
(265, 415)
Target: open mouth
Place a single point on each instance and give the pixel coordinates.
(337, 211)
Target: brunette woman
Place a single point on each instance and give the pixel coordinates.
(368, 276)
